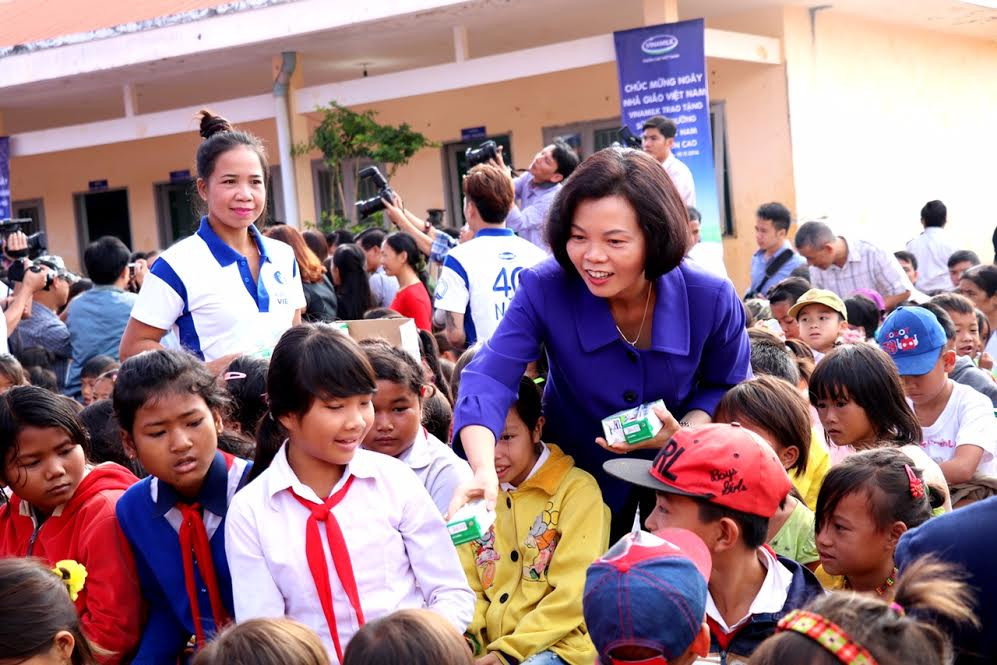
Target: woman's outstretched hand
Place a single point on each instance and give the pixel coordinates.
(484, 484)
(669, 425)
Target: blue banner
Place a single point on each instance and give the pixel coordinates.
(4, 177)
(662, 71)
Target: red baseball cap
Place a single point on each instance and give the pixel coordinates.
(725, 464)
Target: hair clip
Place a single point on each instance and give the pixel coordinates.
(73, 574)
(916, 484)
(896, 607)
(828, 635)
(230, 376)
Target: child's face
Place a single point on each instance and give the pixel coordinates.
(674, 511)
(397, 419)
(86, 389)
(45, 468)
(926, 387)
(788, 455)
(331, 430)
(780, 312)
(175, 438)
(967, 333)
(516, 450)
(846, 423)
(820, 326)
(849, 542)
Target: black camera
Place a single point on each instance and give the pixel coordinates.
(628, 139)
(37, 244)
(485, 152)
(17, 270)
(375, 203)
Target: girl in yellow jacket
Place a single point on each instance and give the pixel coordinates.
(529, 570)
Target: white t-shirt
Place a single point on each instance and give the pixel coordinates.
(682, 178)
(203, 290)
(967, 419)
(480, 277)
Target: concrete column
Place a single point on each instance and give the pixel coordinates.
(660, 11)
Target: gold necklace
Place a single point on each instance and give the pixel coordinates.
(642, 320)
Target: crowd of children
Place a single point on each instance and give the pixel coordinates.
(291, 506)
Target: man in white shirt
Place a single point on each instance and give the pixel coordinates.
(933, 249)
(657, 140)
(480, 276)
(845, 266)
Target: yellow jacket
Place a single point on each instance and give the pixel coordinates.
(528, 572)
(818, 464)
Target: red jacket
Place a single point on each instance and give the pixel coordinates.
(86, 530)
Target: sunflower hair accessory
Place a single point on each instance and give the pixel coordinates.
(828, 635)
(73, 574)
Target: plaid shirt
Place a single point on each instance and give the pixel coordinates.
(442, 244)
(867, 267)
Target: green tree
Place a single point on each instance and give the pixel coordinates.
(345, 136)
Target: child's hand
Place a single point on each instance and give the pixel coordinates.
(669, 425)
(986, 362)
(490, 659)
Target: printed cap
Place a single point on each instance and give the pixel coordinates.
(725, 464)
(820, 297)
(913, 338)
(649, 590)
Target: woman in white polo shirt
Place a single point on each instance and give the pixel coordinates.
(226, 290)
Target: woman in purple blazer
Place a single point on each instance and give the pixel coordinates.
(622, 318)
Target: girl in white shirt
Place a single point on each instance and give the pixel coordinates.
(329, 534)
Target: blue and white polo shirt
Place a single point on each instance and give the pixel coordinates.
(203, 290)
(480, 277)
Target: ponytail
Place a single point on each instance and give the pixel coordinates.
(270, 436)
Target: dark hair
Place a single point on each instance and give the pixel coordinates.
(490, 189)
(694, 214)
(353, 292)
(943, 318)
(11, 369)
(35, 357)
(105, 437)
(566, 158)
(413, 637)
(961, 256)
(371, 238)
(934, 214)
(148, 376)
(35, 606)
(392, 364)
(865, 313)
(904, 255)
(78, 287)
(32, 406)
(788, 290)
(236, 443)
(754, 528)
(954, 302)
(666, 126)
(342, 237)
(814, 234)
(462, 362)
(105, 259)
(865, 375)
(983, 323)
(437, 415)
(43, 378)
(984, 277)
(247, 393)
(882, 474)
(264, 642)
(774, 405)
(311, 361)
(97, 365)
(776, 213)
(769, 356)
(316, 242)
(401, 242)
(638, 178)
(381, 313)
(931, 595)
(430, 353)
(220, 137)
(311, 267)
(527, 405)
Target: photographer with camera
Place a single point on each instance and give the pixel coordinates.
(536, 188)
(30, 280)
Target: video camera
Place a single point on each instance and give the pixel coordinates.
(54, 264)
(375, 203)
(628, 139)
(37, 244)
(485, 152)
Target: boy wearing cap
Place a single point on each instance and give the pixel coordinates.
(645, 600)
(822, 318)
(724, 483)
(958, 428)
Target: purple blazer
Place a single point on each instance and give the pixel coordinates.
(699, 349)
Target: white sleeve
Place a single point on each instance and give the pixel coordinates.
(435, 564)
(452, 292)
(976, 424)
(257, 596)
(297, 294)
(162, 299)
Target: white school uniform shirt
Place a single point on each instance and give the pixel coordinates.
(682, 178)
(480, 277)
(398, 543)
(932, 249)
(967, 419)
(203, 291)
(437, 466)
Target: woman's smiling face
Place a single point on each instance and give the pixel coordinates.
(607, 246)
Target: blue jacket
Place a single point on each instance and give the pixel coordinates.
(802, 589)
(150, 522)
(699, 350)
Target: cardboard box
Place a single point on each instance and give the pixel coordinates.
(401, 333)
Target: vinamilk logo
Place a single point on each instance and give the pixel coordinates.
(659, 44)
